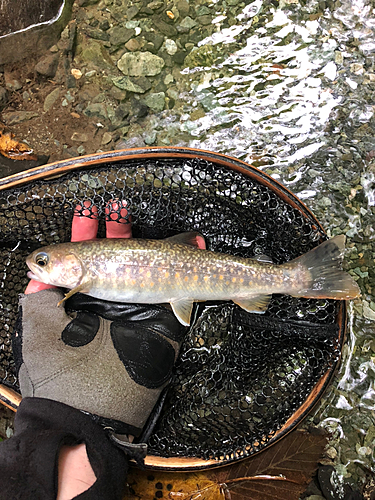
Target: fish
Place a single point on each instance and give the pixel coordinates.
(176, 271)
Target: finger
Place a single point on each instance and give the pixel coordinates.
(118, 220)
(201, 242)
(37, 286)
(85, 222)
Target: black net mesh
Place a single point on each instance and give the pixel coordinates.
(240, 376)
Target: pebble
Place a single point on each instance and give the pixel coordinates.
(106, 139)
(50, 100)
(170, 46)
(79, 137)
(155, 101)
(125, 83)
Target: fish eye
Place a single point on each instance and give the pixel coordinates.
(41, 259)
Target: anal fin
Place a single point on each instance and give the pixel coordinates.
(256, 304)
(83, 288)
(182, 309)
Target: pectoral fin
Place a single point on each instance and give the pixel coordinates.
(182, 309)
(256, 304)
(83, 288)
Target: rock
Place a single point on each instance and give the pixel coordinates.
(188, 23)
(47, 66)
(163, 27)
(107, 138)
(125, 83)
(179, 57)
(11, 82)
(104, 25)
(156, 39)
(79, 137)
(150, 138)
(132, 11)
(3, 97)
(50, 100)
(118, 35)
(155, 101)
(202, 10)
(86, 3)
(94, 53)
(183, 7)
(155, 5)
(18, 116)
(140, 64)
(138, 109)
(205, 20)
(170, 46)
(133, 45)
(97, 34)
(98, 110)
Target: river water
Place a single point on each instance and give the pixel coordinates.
(289, 87)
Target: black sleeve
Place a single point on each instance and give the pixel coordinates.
(29, 460)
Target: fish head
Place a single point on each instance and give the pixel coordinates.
(55, 265)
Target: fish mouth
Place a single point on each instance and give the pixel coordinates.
(32, 276)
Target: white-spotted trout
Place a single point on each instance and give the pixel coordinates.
(176, 271)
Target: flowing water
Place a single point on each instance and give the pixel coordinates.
(289, 87)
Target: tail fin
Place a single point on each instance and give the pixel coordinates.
(324, 276)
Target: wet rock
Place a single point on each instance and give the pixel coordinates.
(150, 138)
(3, 97)
(125, 83)
(50, 100)
(138, 109)
(187, 24)
(119, 35)
(140, 64)
(155, 101)
(132, 142)
(47, 65)
(18, 116)
(202, 10)
(205, 20)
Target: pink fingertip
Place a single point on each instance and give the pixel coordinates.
(83, 226)
(118, 227)
(35, 286)
(201, 242)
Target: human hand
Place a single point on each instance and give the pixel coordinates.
(110, 360)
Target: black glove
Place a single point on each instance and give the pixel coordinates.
(29, 460)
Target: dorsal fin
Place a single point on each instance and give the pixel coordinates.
(190, 238)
